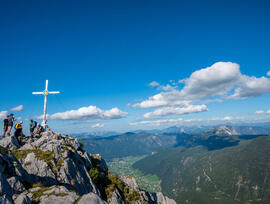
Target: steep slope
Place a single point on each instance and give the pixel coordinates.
(55, 169)
(239, 174)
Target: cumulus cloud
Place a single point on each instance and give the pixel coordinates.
(262, 112)
(259, 112)
(251, 87)
(221, 81)
(3, 114)
(97, 125)
(154, 84)
(176, 110)
(17, 108)
(90, 112)
(268, 73)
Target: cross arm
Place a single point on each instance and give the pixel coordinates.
(37, 93)
(54, 92)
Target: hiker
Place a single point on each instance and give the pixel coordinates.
(5, 126)
(10, 123)
(33, 125)
(40, 129)
(18, 132)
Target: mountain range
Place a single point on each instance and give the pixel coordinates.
(145, 143)
(232, 175)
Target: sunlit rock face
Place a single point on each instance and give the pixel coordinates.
(55, 169)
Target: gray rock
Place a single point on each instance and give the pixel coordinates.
(39, 168)
(116, 198)
(9, 142)
(60, 168)
(131, 182)
(161, 199)
(59, 195)
(5, 199)
(22, 199)
(16, 184)
(91, 198)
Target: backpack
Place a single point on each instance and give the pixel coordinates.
(18, 126)
(35, 124)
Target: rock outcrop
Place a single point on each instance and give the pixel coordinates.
(55, 169)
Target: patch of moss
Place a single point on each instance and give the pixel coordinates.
(3, 150)
(60, 162)
(94, 174)
(27, 163)
(19, 154)
(40, 192)
(59, 194)
(129, 195)
(81, 145)
(37, 185)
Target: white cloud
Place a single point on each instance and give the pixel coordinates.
(163, 99)
(215, 80)
(3, 114)
(268, 73)
(251, 87)
(167, 87)
(182, 121)
(17, 108)
(221, 81)
(90, 112)
(176, 110)
(154, 84)
(262, 112)
(98, 125)
(259, 112)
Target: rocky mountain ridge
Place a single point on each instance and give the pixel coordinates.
(56, 169)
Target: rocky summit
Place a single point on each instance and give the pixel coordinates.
(55, 169)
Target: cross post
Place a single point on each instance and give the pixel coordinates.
(45, 93)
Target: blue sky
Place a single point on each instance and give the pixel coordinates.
(105, 54)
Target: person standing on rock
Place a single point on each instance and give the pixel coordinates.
(18, 131)
(40, 129)
(10, 123)
(5, 126)
(33, 125)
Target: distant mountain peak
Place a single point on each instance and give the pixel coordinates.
(224, 130)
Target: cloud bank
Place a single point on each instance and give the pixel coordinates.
(17, 108)
(221, 81)
(184, 121)
(90, 112)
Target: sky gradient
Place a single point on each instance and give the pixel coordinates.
(104, 54)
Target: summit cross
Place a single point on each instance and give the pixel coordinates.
(45, 93)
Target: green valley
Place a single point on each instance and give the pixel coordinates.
(123, 167)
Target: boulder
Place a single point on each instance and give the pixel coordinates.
(9, 142)
(91, 198)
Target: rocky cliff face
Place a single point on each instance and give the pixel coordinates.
(56, 169)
